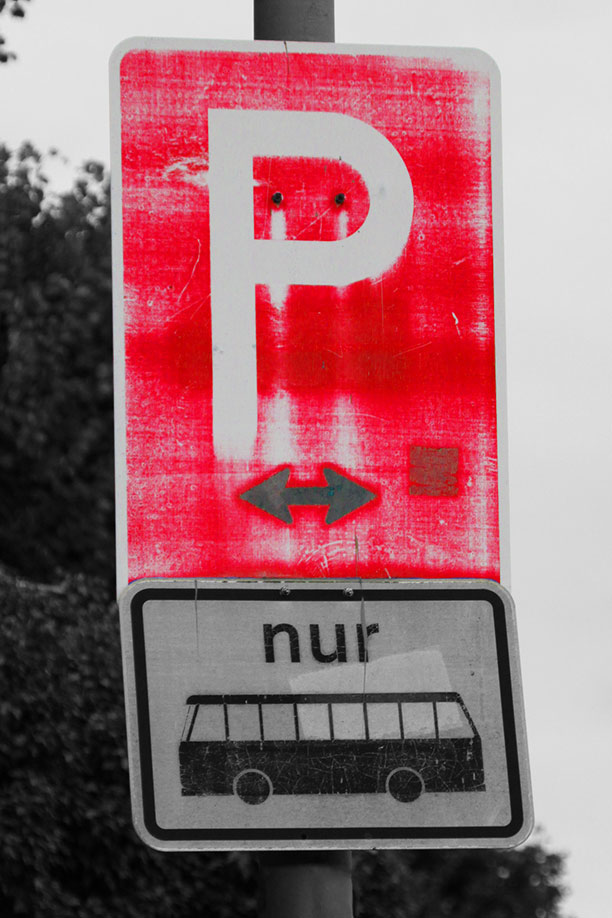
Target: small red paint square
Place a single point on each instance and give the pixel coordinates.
(433, 472)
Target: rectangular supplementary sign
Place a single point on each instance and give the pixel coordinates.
(309, 311)
(306, 714)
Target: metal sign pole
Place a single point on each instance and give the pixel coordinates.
(294, 20)
(302, 884)
(306, 884)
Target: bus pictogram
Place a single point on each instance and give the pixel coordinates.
(402, 744)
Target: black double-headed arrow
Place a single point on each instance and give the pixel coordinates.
(341, 494)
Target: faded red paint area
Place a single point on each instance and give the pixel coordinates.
(351, 379)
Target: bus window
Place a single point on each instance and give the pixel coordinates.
(278, 722)
(314, 721)
(349, 722)
(209, 723)
(383, 720)
(418, 719)
(452, 722)
(243, 720)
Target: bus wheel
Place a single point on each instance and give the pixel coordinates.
(405, 785)
(252, 786)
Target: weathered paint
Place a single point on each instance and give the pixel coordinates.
(359, 378)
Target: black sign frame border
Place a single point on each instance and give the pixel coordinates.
(318, 594)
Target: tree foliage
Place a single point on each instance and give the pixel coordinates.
(525, 883)
(67, 846)
(56, 424)
(16, 9)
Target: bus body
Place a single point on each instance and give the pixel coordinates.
(256, 745)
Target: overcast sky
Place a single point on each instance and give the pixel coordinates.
(556, 66)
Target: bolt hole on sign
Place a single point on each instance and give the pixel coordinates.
(308, 297)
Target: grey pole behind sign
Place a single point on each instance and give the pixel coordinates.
(304, 884)
(294, 20)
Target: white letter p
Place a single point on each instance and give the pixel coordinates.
(238, 261)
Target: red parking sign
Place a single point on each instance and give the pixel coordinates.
(308, 284)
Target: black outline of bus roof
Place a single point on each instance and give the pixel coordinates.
(327, 698)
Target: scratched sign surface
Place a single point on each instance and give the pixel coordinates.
(367, 712)
(309, 379)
